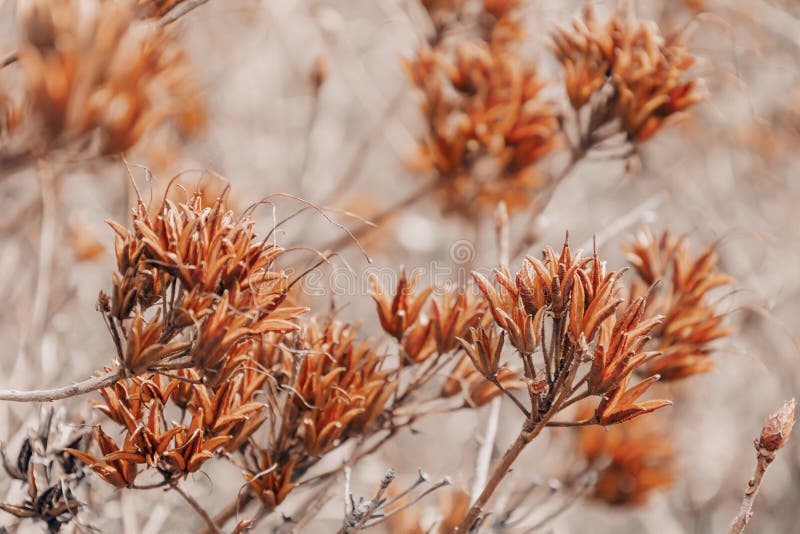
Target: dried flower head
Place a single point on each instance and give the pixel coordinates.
(568, 310)
(99, 76)
(484, 350)
(342, 382)
(224, 418)
(488, 125)
(631, 461)
(690, 321)
(399, 311)
(193, 282)
(645, 73)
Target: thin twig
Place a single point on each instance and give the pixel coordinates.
(347, 240)
(516, 401)
(9, 59)
(750, 492)
(776, 431)
(179, 11)
(484, 459)
(587, 484)
(197, 508)
(584, 422)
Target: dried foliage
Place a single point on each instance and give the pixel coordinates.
(643, 72)
(691, 322)
(96, 84)
(49, 475)
(488, 124)
(221, 357)
(631, 461)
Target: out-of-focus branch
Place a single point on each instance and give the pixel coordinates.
(343, 242)
(484, 459)
(179, 11)
(197, 508)
(9, 59)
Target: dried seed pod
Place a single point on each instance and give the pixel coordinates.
(398, 311)
(484, 350)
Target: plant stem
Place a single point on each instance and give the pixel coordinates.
(484, 459)
(746, 510)
(502, 469)
(73, 390)
(182, 9)
(228, 513)
(9, 59)
(516, 401)
(197, 508)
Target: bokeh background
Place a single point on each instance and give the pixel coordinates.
(725, 172)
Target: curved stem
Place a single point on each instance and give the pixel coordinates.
(197, 508)
(516, 401)
(73, 390)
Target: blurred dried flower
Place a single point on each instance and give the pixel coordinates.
(690, 322)
(104, 79)
(631, 461)
(487, 125)
(645, 72)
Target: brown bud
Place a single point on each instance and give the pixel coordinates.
(777, 428)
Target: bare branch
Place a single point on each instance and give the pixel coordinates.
(73, 390)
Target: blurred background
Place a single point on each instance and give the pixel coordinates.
(309, 98)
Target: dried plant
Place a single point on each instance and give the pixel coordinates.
(630, 461)
(49, 474)
(691, 322)
(223, 360)
(488, 124)
(644, 73)
(96, 85)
